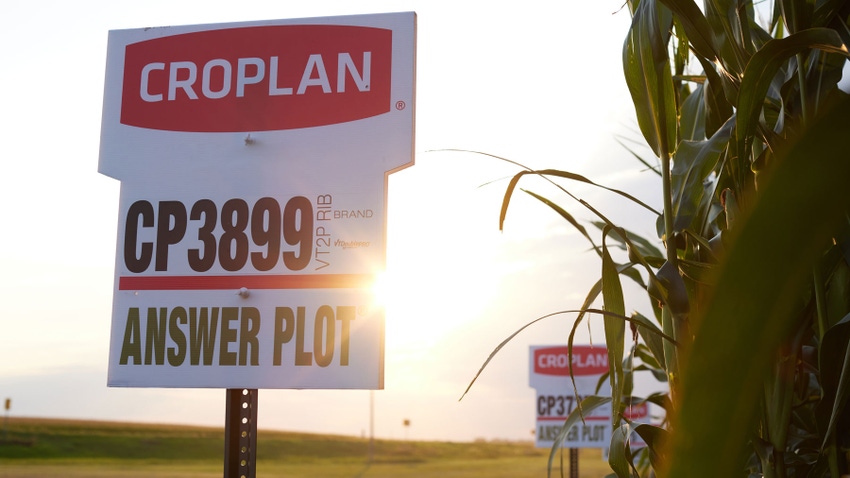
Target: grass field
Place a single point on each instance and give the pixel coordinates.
(70, 448)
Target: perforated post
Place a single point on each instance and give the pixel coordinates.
(573, 462)
(240, 434)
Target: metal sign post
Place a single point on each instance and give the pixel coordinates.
(6, 419)
(240, 434)
(573, 462)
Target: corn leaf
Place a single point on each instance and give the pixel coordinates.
(618, 455)
(722, 16)
(634, 242)
(655, 439)
(692, 116)
(615, 329)
(763, 67)
(826, 11)
(650, 334)
(757, 288)
(835, 380)
(647, 70)
(564, 175)
(564, 214)
(693, 162)
(696, 27)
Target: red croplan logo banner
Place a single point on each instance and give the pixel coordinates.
(586, 360)
(257, 78)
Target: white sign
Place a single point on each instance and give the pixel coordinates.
(253, 160)
(549, 375)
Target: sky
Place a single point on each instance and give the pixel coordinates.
(538, 83)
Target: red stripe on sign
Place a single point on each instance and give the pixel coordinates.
(307, 281)
(561, 419)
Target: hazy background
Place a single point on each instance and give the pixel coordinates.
(538, 82)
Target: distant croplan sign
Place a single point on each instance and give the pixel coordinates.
(549, 375)
(253, 160)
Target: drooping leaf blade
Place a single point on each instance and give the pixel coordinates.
(564, 214)
(512, 184)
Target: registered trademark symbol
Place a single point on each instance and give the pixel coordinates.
(362, 310)
(400, 105)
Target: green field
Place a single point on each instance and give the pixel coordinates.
(71, 448)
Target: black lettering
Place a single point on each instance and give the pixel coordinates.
(298, 231)
(138, 210)
(228, 335)
(266, 231)
(249, 327)
(177, 354)
(284, 328)
(166, 233)
(324, 263)
(155, 336)
(233, 244)
(302, 358)
(202, 262)
(345, 315)
(132, 346)
(324, 320)
(202, 332)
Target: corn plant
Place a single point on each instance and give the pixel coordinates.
(750, 286)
